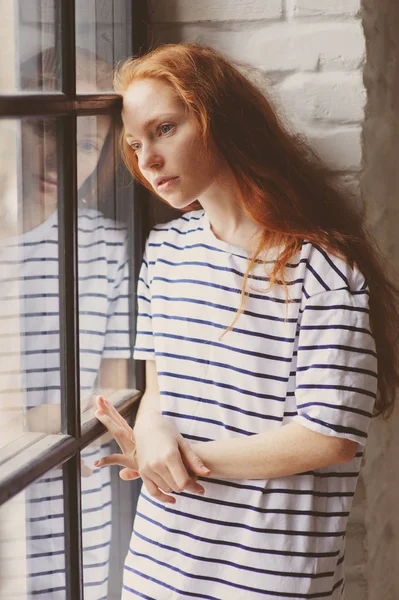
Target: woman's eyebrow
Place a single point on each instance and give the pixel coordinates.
(153, 120)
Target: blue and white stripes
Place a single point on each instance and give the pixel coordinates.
(312, 361)
(30, 377)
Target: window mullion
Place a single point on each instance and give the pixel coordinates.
(73, 528)
(69, 307)
(138, 221)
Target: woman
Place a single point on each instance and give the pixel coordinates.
(263, 312)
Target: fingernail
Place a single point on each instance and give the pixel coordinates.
(96, 462)
(204, 468)
(201, 491)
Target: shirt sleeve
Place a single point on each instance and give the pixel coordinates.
(336, 376)
(117, 337)
(144, 344)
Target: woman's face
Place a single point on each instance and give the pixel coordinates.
(166, 139)
(39, 157)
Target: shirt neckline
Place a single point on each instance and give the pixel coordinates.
(221, 244)
(231, 249)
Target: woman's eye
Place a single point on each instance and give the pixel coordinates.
(166, 128)
(87, 146)
(44, 128)
(135, 146)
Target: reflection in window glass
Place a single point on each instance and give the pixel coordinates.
(107, 517)
(32, 557)
(28, 28)
(104, 335)
(96, 521)
(103, 27)
(103, 266)
(29, 302)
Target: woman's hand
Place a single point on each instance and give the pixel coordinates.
(166, 461)
(123, 435)
(154, 451)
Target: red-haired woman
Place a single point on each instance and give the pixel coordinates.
(264, 318)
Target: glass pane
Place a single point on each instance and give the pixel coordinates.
(96, 522)
(29, 268)
(29, 303)
(32, 558)
(104, 344)
(103, 267)
(29, 60)
(107, 516)
(103, 37)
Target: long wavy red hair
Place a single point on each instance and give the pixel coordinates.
(279, 181)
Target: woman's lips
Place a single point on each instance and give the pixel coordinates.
(47, 185)
(167, 184)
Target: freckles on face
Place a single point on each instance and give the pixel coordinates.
(165, 137)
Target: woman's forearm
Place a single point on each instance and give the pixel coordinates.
(150, 400)
(286, 451)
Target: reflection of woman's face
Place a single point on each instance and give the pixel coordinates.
(40, 158)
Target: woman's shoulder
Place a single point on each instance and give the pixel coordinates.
(177, 230)
(326, 271)
(92, 223)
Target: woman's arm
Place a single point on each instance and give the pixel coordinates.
(286, 451)
(150, 401)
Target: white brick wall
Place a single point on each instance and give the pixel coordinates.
(313, 51)
(322, 8)
(332, 98)
(191, 11)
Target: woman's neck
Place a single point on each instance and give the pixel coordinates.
(228, 220)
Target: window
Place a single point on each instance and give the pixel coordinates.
(71, 236)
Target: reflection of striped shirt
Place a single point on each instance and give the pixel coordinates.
(30, 375)
(312, 362)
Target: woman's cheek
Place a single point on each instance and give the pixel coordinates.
(86, 167)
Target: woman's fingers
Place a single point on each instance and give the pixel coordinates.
(194, 487)
(111, 411)
(183, 480)
(108, 421)
(157, 493)
(164, 479)
(193, 461)
(116, 459)
(120, 434)
(159, 482)
(129, 474)
(174, 473)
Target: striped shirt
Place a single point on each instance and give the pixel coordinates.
(30, 376)
(312, 362)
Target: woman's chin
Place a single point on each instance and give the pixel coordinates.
(178, 203)
(47, 200)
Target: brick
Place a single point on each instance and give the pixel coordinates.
(340, 148)
(186, 11)
(287, 46)
(333, 97)
(321, 8)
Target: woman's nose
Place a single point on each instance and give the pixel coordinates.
(149, 158)
(51, 159)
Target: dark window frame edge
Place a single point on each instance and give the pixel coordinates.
(36, 105)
